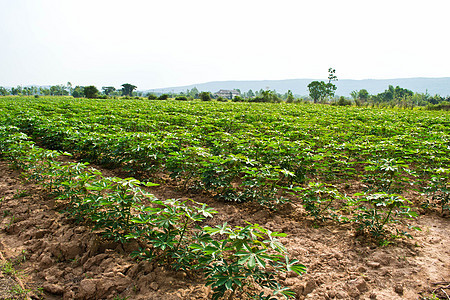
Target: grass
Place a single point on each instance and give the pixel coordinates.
(8, 269)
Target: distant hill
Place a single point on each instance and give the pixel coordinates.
(433, 86)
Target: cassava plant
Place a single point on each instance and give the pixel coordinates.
(318, 200)
(438, 189)
(236, 261)
(167, 228)
(386, 175)
(242, 260)
(374, 214)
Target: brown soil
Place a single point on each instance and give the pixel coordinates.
(58, 259)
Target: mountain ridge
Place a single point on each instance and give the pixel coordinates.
(430, 85)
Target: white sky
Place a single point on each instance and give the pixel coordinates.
(154, 44)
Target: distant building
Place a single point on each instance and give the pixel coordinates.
(229, 94)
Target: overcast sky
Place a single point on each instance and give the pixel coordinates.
(154, 44)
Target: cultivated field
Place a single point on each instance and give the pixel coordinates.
(359, 197)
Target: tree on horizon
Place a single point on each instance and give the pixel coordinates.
(128, 89)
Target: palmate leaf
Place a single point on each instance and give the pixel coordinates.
(292, 265)
(246, 233)
(98, 186)
(274, 243)
(253, 257)
(152, 210)
(297, 268)
(256, 232)
(219, 282)
(141, 219)
(219, 229)
(214, 248)
(206, 212)
(210, 250)
(197, 247)
(286, 292)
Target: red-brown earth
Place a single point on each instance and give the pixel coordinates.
(55, 258)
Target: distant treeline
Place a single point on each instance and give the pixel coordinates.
(391, 97)
(69, 90)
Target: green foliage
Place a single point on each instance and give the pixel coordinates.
(205, 96)
(127, 89)
(241, 258)
(235, 261)
(262, 184)
(90, 91)
(319, 143)
(4, 91)
(394, 94)
(375, 212)
(289, 97)
(445, 105)
(7, 268)
(237, 151)
(266, 96)
(163, 97)
(438, 188)
(193, 93)
(169, 229)
(331, 88)
(343, 102)
(317, 90)
(363, 94)
(21, 194)
(237, 99)
(152, 97)
(18, 290)
(78, 92)
(319, 199)
(58, 90)
(387, 175)
(108, 90)
(182, 98)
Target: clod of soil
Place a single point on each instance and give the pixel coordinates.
(59, 259)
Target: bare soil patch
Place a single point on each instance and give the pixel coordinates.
(59, 259)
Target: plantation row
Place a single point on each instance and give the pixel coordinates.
(233, 260)
(244, 151)
(269, 153)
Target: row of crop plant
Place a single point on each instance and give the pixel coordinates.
(242, 153)
(234, 260)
